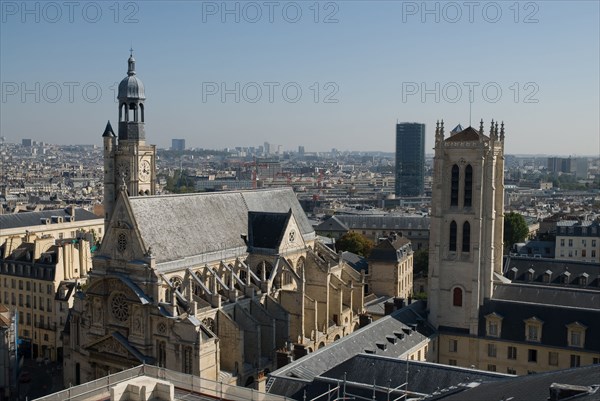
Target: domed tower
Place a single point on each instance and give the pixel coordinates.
(131, 105)
(128, 161)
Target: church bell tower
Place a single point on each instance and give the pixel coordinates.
(467, 219)
(128, 160)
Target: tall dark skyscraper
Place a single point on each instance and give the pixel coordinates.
(410, 159)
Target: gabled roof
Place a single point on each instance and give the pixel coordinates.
(182, 226)
(266, 229)
(332, 224)
(468, 134)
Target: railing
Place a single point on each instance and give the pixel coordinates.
(100, 388)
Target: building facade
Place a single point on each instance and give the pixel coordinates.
(391, 268)
(34, 273)
(578, 241)
(410, 159)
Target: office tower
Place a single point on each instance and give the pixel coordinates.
(178, 144)
(410, 159)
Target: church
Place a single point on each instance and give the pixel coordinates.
(505, 314)
(211, 284)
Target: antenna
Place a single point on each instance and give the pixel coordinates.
(470, 104)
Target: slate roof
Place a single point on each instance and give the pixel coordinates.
(362, 370)
(390, 250)
(180, 226)
(468, 134)
(332, 224)
(377, 222)
(357, 262)
(556, 307)
(108, 131)
(531, 387)
(375, 337)
(540, 266)
(265, 230)
(27, 219)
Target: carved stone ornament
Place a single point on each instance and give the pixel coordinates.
(112, 347)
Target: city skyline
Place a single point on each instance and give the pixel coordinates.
(217, 77)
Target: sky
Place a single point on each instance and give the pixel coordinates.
(323, 75)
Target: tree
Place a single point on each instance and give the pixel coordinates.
(421, 261)
(515, 229)
(355, 243)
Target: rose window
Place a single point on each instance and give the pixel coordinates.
(120, 308)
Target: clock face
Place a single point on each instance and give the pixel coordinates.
(145, 171)
(123, 170)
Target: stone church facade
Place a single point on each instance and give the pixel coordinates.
(208, 284)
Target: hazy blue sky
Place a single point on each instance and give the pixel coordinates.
(373, 63)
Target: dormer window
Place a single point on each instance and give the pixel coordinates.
(513, 272)
(576, 334)
(533, 329)
(565, 277)
(547, 276)
(530, 273)
(493, 324)
(583, 279)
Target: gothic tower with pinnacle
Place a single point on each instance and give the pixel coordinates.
(128, 161)
(467, 218)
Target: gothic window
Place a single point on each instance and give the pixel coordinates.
(119, 308)
(457, 297)
(453, 236)
(466, 237)
(454, 186)
(468, 186)
(161, 353)
(122, 242)
(176, 286)
(268, 269)
(187, 360)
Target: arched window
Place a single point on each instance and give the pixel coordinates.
(142, 112)
(457, 297)
(468, 186)
(453, 236)
(466, 237)
(454, 186)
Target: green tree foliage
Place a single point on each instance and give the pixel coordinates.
(355, 243)
(515, 229)
(421, 261)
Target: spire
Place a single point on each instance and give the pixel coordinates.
(496, 131)
(108, 131)
(492, 129)
(481, 127)
(502, 131)
(131, 63)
